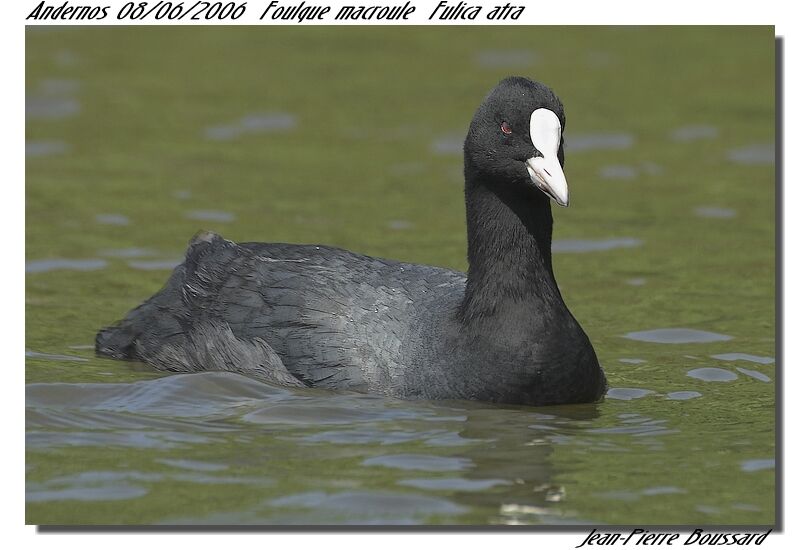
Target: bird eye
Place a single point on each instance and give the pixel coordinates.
(505, 128)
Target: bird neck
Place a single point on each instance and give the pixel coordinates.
(509, 231)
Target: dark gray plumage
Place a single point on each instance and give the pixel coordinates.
(325, 317)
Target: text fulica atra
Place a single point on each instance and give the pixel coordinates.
(319, 316)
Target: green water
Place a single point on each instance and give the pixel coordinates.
(352, 141)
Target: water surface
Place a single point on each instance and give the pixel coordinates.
(362, 149)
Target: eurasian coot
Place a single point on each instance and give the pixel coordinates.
(319, 316)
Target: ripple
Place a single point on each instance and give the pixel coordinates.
(662, 490)
(758, 154)
(254, 123)
(526, 514)
(132, 252)
(712, 374)
(451, 144)
(694, 133)
(112, 219)
(337, 409)
(192, 464)
(618, 172)
(453, 483)
(52, 357)
(366, 436)
(155, 265)
(211, 216)
(51, 107)
(132, 438)
(636, 425)
(626, 394)
(44, 266)
(683, 395)
(593, 245)
(408, 168)
(597, 142)
(59, 86)
(758, 464)
(651, 168)
(763, 360)
(451, 439)
(117, 491)
(400, 225)
(66, 59)
(676, 336)
(636, 281)
(598, 58)
(714, 212)
(369, 502)
(45, 148)
(268, 122)
(430, 463)
(506, 59)
(624, 496)
(754, 374)
(177, 396)
(632, 361)
(113, 485)
(746, 507)
(222, 133)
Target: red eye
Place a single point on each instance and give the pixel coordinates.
(505, 128)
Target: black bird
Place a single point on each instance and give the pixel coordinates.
(319, 316)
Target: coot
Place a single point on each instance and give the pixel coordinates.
(319, 316)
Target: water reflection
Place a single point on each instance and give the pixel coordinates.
(473, 457)
(295, 456)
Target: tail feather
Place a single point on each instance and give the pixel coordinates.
(166, 317)
(159, 315)
(178, 330)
